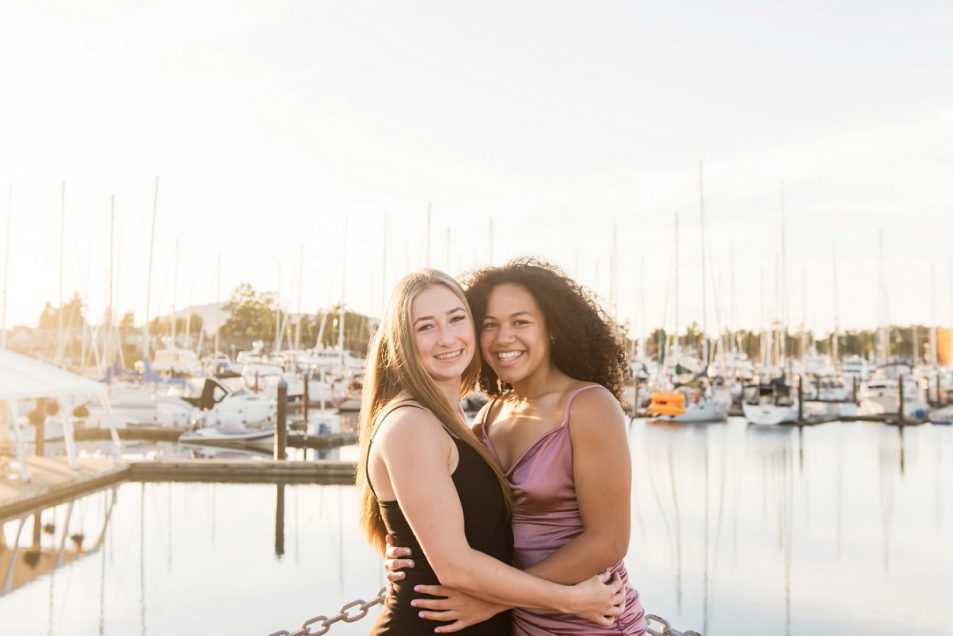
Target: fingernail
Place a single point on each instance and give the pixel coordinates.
(411, 564)
(416, 588)
(413, 603)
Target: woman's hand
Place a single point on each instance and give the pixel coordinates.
(599, 599)
(394, 561)
(464, 610)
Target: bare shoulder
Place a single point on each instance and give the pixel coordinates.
(481, 416)
(409, 427)
(596, 410)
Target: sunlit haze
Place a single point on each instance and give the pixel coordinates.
(270, 126)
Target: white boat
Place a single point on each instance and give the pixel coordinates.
(178, 362)
(942, 416)
(835, 397)
(265, 378)
(217, 406)
(140, 405)
(692, 402)
(770, 404)
(881, 395)
(855, 367)
(229, 434)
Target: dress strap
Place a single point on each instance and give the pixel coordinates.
(377, 425)
(572, 396)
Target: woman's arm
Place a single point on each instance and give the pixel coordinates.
(414, 450)
(602, 471)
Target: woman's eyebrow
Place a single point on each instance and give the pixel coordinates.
(512, 315)
(452, 311)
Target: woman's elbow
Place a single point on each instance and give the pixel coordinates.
(617, 548)
(614, 547)
(450, 572)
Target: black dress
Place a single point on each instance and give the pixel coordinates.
(487, 528)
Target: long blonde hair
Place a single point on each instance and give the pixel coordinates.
(393, 366)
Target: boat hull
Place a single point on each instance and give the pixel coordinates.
(770, 414)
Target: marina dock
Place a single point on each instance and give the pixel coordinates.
(53, 481)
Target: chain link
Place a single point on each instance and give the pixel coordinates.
(665, 628)
(360, 608)
(323, 623)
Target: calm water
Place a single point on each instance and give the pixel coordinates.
(840, 529)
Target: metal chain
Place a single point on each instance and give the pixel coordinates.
(323, 623)
(665, 628)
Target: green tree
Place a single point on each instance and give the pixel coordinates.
(163, 326)
(251, 314)
(72, 314)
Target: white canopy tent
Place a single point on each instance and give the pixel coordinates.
(22, 377)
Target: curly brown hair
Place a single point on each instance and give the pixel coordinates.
(587, 343)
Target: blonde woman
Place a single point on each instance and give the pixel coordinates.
(553, 367)
(427, 480)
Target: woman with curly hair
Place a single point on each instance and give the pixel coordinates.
(553, 367)
(425, 477)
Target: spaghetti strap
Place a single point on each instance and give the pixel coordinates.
(572, 396)
(380, 420)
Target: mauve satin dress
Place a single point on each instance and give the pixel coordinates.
(545, 517)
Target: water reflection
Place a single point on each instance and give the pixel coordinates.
(735, 530)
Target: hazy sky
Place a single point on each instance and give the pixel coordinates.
(269, 124)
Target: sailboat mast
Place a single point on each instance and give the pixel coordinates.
(6, 272)
(642, 332)
(676, 289)
(932, 358)
(152, 242)
(300, 286)
(218, 301)
(58, 358)
(783, 290)
(882, 312)
(734, 298)
(109, 294)
(701, 209)
(341, 313)
(175, 286)
(834, 341)
(278, 313)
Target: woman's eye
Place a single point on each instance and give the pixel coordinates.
(489, 325)
(424, 327)
(457, 318)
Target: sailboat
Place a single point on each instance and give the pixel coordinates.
(769, 403)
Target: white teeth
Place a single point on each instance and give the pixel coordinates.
(449, 356)
(508, 355)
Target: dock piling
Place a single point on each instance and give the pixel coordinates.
(900, 399)
(853, 389)
(305, 398)
(281, 425)
(800, 400)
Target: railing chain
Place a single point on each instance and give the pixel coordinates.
(665, 627)
(324, 623)
(360, 606)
